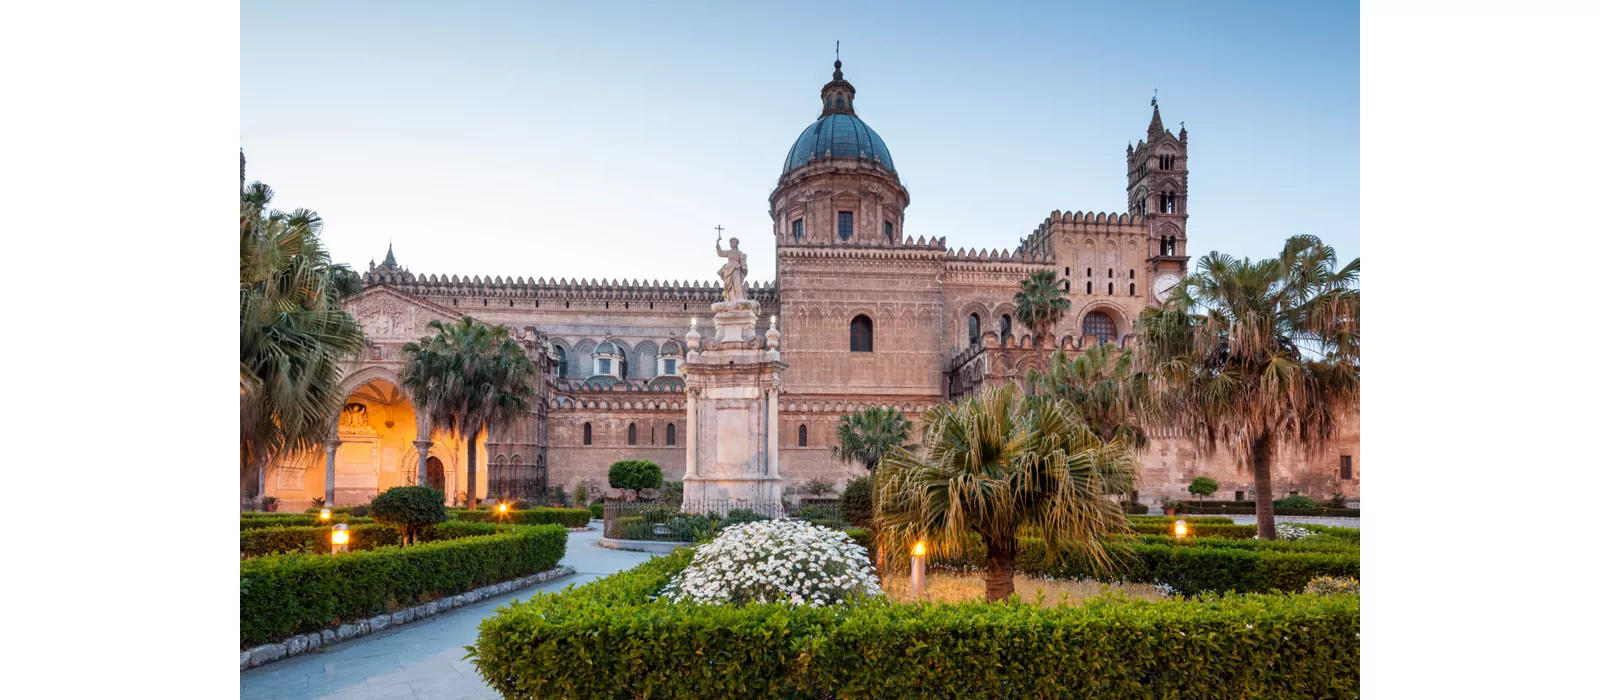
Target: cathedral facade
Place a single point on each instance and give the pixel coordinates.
(870, 314)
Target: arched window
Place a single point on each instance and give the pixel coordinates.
(973, 331)
(802, 435)
(861, 334)
(561, 362)
(672, 434)
(799, 229)
(1088, 287)
(588, 434)
(847, 226)
(1100, 326)
(633, 434)
(1110, 274)
(1005, 330)
(1130, 290)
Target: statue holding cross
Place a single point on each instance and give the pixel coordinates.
(733, 272)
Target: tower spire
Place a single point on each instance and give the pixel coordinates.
(1155, 120)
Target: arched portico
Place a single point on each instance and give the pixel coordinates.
(379, 443)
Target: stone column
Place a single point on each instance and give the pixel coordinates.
(422, 443)
(772, 433)
(692, 433)
(332, 447)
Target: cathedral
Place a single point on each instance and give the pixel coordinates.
(870, 314)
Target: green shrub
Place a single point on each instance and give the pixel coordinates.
(287, 594)
(409, 508)
(690, 528)
(1133, 508)
(1197, 529)
(607, 639)
(597, 510)
(316, 539)
(568, 517)
(296, 520)
(1196, 569)
(1337, 501)
(313, 539)
(635, 475)
(1203, 486)
(739, 516)
(857, 501)
(1296, 502)
(1348, 534)
(1249, 508)
(1168, 520)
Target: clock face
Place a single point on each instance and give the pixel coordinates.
(1164, 286)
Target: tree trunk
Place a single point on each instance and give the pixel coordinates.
(998, 583)
(1261, 462)
(472, 469)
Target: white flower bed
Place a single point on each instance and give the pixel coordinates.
(776, 561)
(1287, 531)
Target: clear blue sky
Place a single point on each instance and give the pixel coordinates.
(575, 140)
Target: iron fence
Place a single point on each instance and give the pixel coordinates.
(692, 521)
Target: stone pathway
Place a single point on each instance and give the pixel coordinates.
(421, 659)
(1314, 520)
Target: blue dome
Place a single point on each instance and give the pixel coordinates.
(837, 136)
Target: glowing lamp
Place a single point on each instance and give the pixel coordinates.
(341, 538)
(919, 569)
(504, 508)
(1180, 529)
(326, 514)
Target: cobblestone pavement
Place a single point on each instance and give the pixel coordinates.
(421, 659)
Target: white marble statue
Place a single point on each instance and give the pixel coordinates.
(733, 271)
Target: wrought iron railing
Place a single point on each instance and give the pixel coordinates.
(692, 521)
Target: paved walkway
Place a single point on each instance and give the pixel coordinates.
(1314, 520)
(422, 659)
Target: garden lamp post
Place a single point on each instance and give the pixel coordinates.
(1180, 529)
(326, 515)
(919, 566)
(341, 538)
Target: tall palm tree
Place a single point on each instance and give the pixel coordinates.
(1103, 387)
(466, 378)
(866, 435)
(1258, 356)
(1041, 302)
(293, 335)
(999, 464)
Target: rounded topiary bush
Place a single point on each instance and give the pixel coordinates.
(776, 561)
(409, 508)
(634, 475)
(1203, 486)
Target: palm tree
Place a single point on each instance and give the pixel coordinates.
(997, 465)
(866, 435)
(1102, 386)
(293, 335)
(466, 378)
(1258, 356)
(1041, 302)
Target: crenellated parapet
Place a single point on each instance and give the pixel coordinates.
(552, 288)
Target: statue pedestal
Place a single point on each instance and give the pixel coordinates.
(732, 385)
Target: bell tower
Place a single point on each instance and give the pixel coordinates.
(1158, 190)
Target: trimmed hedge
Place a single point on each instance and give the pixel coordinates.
(1198, 529)
(295, 520)
(607, 639)
(1169, 519)
(568, 517)
(287, 594)
(1249, 508)
(1192, 567)
(262, 541)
